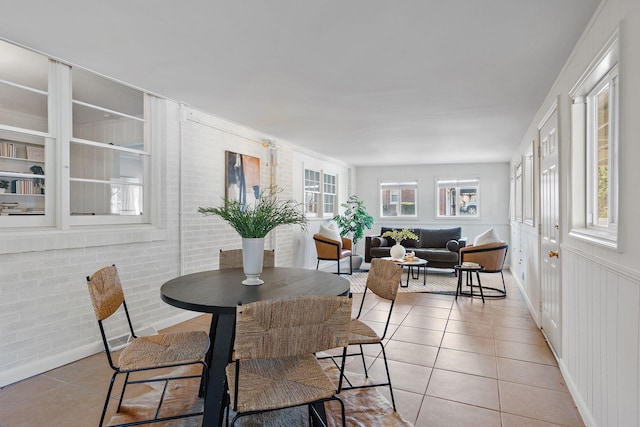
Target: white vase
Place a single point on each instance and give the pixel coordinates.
(397, 251)
(252, 258)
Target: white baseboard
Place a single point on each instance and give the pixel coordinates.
(40, 366)
(43, 365)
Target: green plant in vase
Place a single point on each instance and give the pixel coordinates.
(398, 251)
(352, 223)
(4, 185)
(354, 219)
(254, 222)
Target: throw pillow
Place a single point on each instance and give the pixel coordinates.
(330, 232)
(489, 236)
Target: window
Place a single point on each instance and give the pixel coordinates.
(329, 195)
(311, 191)
(320, 193)
(601, 158)
(594, 150)
(458, 198)
(519, 189)
(97, 126)
(24, 138)
(527, 185)
(108, 152)
(398, 199)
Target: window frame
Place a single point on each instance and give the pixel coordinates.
(396, 188)
(333, 196)
(610, 80)
(457, 183)
(584, 144)
(321, 193)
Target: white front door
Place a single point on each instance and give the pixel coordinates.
(550, 282)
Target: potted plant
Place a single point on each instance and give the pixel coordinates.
(4, 185)
(254, 222)
(353, 221)
(398, 251)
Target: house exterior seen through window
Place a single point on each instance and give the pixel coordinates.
(399, 199)
(457, 198)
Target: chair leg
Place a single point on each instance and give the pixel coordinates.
(124, 387)
(350, 264)
(318, 264)
(203, 379)
(338, 266)
(107, 399)
(386, 365)
(364, 364)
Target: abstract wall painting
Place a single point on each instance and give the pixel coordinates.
(242, 178)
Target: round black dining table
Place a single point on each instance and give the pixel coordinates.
(220, 292)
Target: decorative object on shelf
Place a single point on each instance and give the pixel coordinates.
(37, 170)
(398, 251)
(35, 153)
(4, 185)
(254, 221)
(352, 223)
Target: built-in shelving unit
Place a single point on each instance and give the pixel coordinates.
(22, 178)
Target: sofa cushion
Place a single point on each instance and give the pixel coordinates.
(330, 233)
(438, 238)
(410, 243)
(377, 241)
(453, 246)
(489, 236)
(438, 255)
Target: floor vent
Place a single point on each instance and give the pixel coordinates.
(119, 342)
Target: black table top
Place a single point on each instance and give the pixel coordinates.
(220, 291)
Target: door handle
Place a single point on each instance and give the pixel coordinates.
(553, 254)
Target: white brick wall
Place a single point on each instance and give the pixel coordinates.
(46, 317)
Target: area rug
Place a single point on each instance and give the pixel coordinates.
(363, 407)
(440, 281)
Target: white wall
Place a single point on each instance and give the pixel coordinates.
(600, 351)
(494, 196)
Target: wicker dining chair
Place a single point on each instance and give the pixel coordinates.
(232, 258)
(383, 280)
(274, 365)
(144, 353)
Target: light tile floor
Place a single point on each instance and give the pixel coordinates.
(453, 363)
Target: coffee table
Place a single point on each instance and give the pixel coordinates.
(417, 263)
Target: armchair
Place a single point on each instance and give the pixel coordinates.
(491, 256)
(334, 250)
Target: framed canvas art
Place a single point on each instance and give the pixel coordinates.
(242, 178)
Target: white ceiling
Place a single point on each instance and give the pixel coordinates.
(369, 82)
